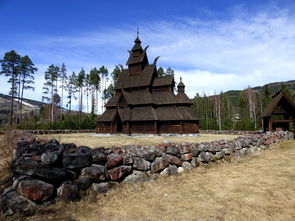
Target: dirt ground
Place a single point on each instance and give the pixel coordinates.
(255, 187)
(92, 140)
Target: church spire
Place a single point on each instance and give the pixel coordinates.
(180, 86)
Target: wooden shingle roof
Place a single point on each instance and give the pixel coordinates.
(277, 98)
(163, 81)
(107, 116)
(137, 97)
(141, 80)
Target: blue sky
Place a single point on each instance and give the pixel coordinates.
(214, 45)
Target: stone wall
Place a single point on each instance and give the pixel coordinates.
(59, 131)
(45, 171)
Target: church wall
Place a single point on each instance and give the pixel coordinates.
(142, 127)
(190, 127)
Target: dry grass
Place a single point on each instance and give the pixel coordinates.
(258, 187)
(91, 140)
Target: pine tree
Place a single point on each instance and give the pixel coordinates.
(104, 77)
(63, 79)
(71, 89)
(87, 90)
(11, 68)
(27, 71)
(50, 85)
(161, 72)
(80, 84)
(94, 79)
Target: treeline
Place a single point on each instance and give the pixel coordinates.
(236, 111)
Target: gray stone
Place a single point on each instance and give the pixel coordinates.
(227, 151)
(51, 158)
(11, 203)
(68, 191)
(76, 160)
(159, 163)
(100, 187)
(218, 155)
(141, 164)
(95, 172)
(173, 160)
(173, 150)
(127, 159)
(205, 157)
(187, 166)
(195, 162)
(170, 170)
(148, 153)
(99, 158)
(136, 176)
(195, 151)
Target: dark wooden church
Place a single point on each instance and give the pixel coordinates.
(279, 113)
(144, 102)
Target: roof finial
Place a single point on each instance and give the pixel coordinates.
(137, 31)
(180, 78)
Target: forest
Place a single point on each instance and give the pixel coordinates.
(232, 110)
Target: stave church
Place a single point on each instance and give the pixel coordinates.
(145, 103)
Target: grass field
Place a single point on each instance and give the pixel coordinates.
(256, 187)
(92, 140)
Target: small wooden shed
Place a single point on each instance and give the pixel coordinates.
(279, 113)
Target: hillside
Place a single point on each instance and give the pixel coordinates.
(5, 104)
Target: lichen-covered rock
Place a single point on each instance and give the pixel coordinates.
(83, 149)
(170, 170)
(195, 150)
(173, 150)
(205, 157)
(141, 164)
(83, 182)
(227, 151)
(180, 170)
(173, 160)
(95, 172)
(159, 164)
(186, 148)
(76, 160)
(51, 158)
(114, 160)
(147, 153)
(195, 162)
(187, 166)
(136, 176)
(99, 157)
(127, 159)
(218, 155)
(25, 166)
(68, 191)
(32, 189)
(11, 203)
(186, 157)
(118, 173)
(100, 187)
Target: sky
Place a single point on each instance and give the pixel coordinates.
(214, 45)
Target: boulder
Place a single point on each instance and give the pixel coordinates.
(25, 166)
(12, 203)
(159, 164)
(205, 157)
(127, 159)
(180, 170)
(95, 172)
(195, 151)
(173, 150)
(195, 162)
(136, 176)
(227, 151)
(51, 158)
(170, 170)
(147, 153)
(141, 164)
(83, 182)
(32, 189)
(173, 160)
(218, 155)
(186, 148)
(76, 160)
(83, 149)
(114, 160)
(100, 187)
(118, 173)
(68, 191)
(186, 157)
(99, 158)
(187, 166)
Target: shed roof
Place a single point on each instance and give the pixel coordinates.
(277, 98)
